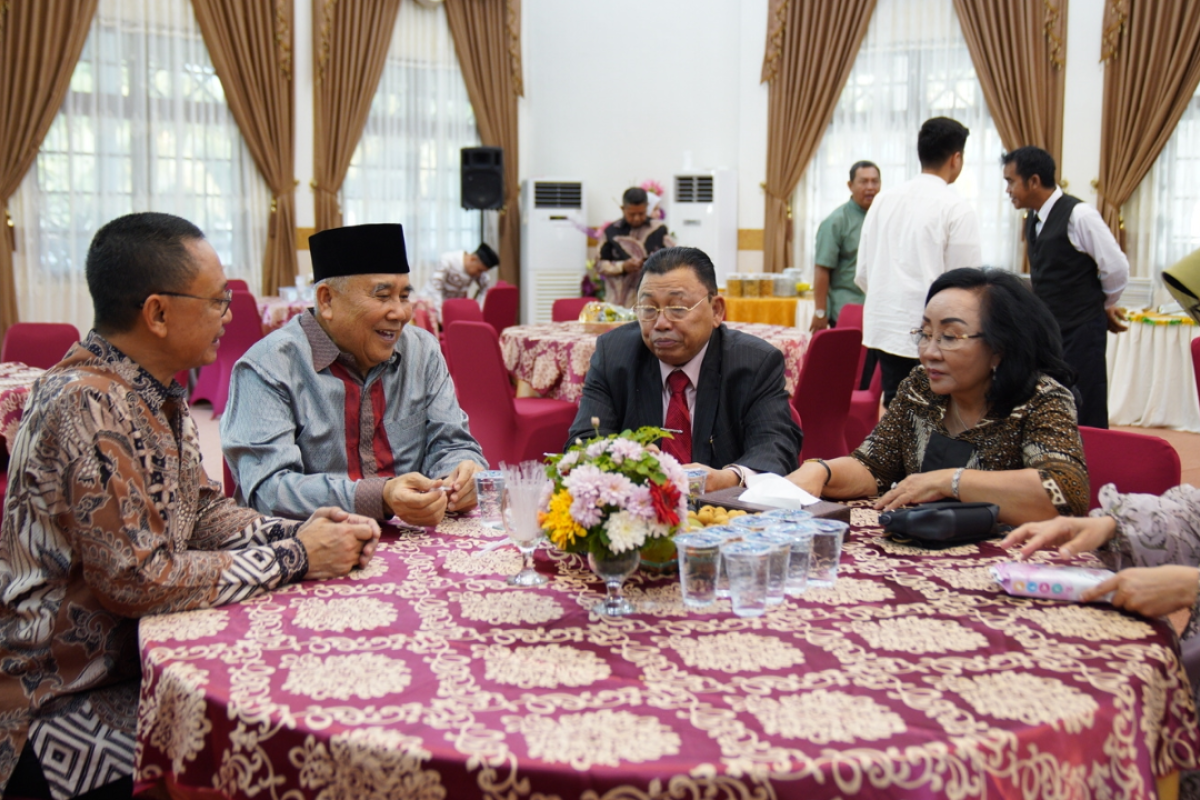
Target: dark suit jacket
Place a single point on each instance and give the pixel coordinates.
(741, 414)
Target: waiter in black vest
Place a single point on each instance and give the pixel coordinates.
(1077, 268)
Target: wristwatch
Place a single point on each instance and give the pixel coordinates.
(819, 313)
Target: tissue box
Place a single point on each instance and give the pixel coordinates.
(728, 498)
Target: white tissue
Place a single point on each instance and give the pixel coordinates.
(766, 489)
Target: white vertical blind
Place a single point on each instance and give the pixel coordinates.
(144, 127)
(913, 65)
(406, 166)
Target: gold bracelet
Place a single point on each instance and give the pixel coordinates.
(828, 471)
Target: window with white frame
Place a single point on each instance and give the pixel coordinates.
(1162, 217)
(914, 64)
(406, 166)
(144, 127)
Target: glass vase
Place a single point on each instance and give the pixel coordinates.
(613, 569)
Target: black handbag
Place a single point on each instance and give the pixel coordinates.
(939, 525)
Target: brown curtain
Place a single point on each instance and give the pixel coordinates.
(487, 38)
(811, 47)
(250, 44)
(350, 45)
(1153, 54)
(1019, 54)
(40, 42)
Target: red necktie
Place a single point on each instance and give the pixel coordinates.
(678, 418)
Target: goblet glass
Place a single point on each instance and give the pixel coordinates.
(524, 485)
(613, 569)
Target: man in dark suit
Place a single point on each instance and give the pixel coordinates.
(721, 392)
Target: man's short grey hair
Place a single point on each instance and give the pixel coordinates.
(338, 283)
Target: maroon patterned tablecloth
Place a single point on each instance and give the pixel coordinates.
(553, 357)
(425, 676)
(275, 311)
(15, 380)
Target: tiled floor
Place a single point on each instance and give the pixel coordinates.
(1187, 444)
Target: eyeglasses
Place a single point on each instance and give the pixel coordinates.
(223, 301)
(945, 341)
(672, 313)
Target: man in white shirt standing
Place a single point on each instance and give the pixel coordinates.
(912, 234)
(1076, 267)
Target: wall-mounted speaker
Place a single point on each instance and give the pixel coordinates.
(482, 177)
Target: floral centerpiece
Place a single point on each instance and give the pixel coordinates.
(612, 494)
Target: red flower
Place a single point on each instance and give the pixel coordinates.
(665, 497)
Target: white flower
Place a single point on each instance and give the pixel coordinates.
(625, 532)
(625, 448)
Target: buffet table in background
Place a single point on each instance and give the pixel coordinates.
(553, 357)
(425, 676)
(1150, 378)
(789, 311)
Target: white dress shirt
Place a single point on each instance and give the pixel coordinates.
(911, 235)
(1088, 233)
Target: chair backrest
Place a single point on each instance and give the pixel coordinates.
(822, 397)
(460, 309)
(500, 307)
(851, 316)
(482, 385)
(1135, 462)
(567, 309)
(237, 285)
(38, 344)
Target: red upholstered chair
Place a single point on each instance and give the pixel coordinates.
(509, 429)
(237, 285)
(567, 309)
(864, 410)
(460, 309)
(38, 344)
(230, 485)
(851, 316)
(500, 307)
(240, 334)
(822, 397)
(1135, 462)
(500, 283)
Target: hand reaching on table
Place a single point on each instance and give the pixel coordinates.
(1071, 535)
(1150, 591)
(336, 541)
(416, 499)
(461, 483)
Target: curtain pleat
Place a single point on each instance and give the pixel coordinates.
(1019, 54)
(351, 39)
(1152, 70)
(250, 44)
(487, 39)
(811, 47)
(40, 42)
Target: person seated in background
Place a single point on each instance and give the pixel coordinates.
(456, 273)
(347, 404)
(720, 391)
(110, 515)
(984, 417)
(627, 243)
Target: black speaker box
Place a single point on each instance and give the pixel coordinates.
(482, 177)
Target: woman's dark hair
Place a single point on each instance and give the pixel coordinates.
(1018, 327)
(133, 257)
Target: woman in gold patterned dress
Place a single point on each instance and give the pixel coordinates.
(985, 417)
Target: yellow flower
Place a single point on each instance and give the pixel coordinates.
(558, 522)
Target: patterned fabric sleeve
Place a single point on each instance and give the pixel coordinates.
(134, 540)
(1153, 531)
(1050, 444)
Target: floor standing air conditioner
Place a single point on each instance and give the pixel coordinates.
(553, 244)
(704, 214)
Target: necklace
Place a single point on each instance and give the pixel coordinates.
(957, 416)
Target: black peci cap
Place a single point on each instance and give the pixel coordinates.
(359, 250)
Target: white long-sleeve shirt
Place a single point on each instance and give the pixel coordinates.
(911, 235)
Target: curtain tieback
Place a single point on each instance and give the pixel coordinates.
(271, 226)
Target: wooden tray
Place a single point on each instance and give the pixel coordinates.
(729, 498)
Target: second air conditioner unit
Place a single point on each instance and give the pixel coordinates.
(704, 215)
(553, 244)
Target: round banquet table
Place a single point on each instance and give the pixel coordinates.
(1150, 379)
(276, 311)
(553, 357)
(424, 675)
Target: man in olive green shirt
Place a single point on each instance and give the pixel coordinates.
(837, 248)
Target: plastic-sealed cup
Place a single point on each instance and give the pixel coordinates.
(696, 480)
(799, 557)
(726, 533)
(777, 562)
(489, 488)
(757, 523)
(698, 556)
(747, 563)
(790, 515)
(826, 552)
